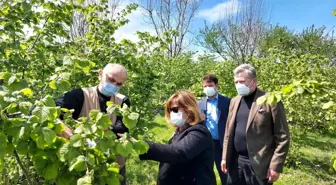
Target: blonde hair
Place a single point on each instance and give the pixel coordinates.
(187, 101)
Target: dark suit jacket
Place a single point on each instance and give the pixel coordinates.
(267, 135)
(223, 110)
(186, 160)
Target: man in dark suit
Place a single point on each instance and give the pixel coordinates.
(215, 108)
(257, 139)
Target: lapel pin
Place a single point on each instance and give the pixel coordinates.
(261, 111)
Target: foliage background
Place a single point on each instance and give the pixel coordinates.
(297, 67)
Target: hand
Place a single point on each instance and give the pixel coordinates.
(272, 176)
(223, 166)
(67, 133)
(130, 138)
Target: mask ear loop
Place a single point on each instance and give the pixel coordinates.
(250, 82)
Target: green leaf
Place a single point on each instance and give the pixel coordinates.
(49, 101)
(4, 75)
(53, 114)
(3, 103)
(328, 105)
(2, 165)
(63, 85)
(59, 127)
(270, 99)
(50, 172)
(89, 129)
(113, 180)
(40, 142)
(24, 133)
(40, 160)
(22, 148)
(11, 80)
(110, 135)
(85, 180)
(42, 113)
(140, 147)
(278, 97)
(91, 159)
(124, 148)
(261, 100)
(80, 63)
(62, 152)
(76, 140)
(114, 167)
(66, 179)
(78, 164)
(80, 1)
(79, 129)
(131, 120)
(27, 92)
(111, 108)
(9, 148)
(3, 140)
(18, 85)
(300, 90)
(13, 108)
(95, 115)
(72, 154)
(52, 84)
(287, 89)
(24, 107)
(46, 113)
(49, 135)
(2, 153)
(104, 122)
(26, 6)
(334, 165)
(333, 12)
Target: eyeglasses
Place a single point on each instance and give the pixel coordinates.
(174, 109)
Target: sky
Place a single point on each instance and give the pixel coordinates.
(295, 14)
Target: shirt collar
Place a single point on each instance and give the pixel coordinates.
(216, 97)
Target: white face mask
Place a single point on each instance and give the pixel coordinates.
(209, 91)
(242, 89)
(177, 118)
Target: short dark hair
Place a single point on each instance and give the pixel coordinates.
(210, 78)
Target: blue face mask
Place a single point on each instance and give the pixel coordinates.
(109, 89)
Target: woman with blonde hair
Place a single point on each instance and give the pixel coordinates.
(187, 159)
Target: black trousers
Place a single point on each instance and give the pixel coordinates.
(122, 172)
(240, 172)
(218, 160)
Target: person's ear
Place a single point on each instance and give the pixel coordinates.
(100, 74)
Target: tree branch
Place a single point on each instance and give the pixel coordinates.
(24, 170)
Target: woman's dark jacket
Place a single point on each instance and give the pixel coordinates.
(187, 159)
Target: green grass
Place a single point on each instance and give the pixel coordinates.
(314, 160)
(315, 165)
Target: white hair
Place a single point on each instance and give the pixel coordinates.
(110, 67)
(247, 68)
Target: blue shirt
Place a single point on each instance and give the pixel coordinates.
(212, 117)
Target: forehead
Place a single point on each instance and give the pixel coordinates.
(207, 82)
(117, 74)
(241, 76)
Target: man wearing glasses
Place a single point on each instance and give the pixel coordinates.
(83, 100)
